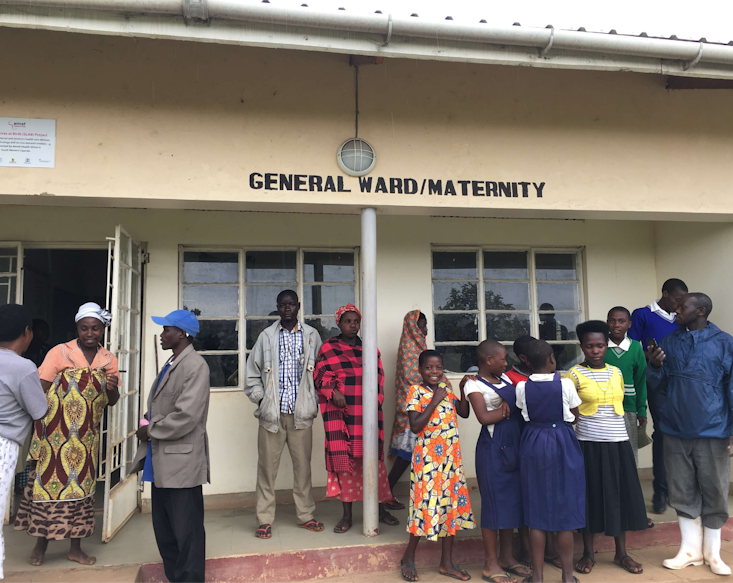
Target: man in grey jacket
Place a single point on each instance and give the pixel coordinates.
(174, 450)
(279, 380)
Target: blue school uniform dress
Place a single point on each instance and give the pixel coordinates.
(497, 465)
(552, 470)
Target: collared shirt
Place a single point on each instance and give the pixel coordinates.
(148, 474)
(620, 348)
(290, 347)
(654, 307)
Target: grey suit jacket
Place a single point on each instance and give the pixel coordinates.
(177, 414)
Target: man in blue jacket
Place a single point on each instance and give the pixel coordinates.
(691, 376)
(657, 320)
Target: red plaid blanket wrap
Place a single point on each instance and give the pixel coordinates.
(339, 366)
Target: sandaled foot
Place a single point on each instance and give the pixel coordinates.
(388, 519)
(81, 557)
(517, 569)
(313, 525)
(342, 526)
(394, 505)
(37, 557)
(554, 561)
(585, 565)
(630, 565)
(455, 572)
(649, 523)
(408, 571)
(264, 531)
(497, 578)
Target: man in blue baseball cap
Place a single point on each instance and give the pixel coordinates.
(174, 450)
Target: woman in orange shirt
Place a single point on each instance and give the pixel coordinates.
(80, 379)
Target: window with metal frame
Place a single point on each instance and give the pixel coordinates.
(233, 292)
(502, 294)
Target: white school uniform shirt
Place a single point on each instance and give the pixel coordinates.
(570, 398)
(491, 397)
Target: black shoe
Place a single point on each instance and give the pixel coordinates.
(659, 503)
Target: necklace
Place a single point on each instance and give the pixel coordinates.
(602, 388)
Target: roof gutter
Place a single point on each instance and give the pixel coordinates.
(689, 54)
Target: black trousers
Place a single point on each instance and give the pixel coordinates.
(178, 522)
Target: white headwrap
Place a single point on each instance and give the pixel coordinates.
(92, 310)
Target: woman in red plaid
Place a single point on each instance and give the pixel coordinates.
(338, 378)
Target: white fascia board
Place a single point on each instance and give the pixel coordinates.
(340, 42)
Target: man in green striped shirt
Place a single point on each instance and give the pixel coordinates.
(628, 355)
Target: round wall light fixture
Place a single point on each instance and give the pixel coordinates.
(356, 157)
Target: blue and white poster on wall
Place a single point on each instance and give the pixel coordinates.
(27, 142)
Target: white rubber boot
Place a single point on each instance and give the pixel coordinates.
(691, 548)
(711, 552)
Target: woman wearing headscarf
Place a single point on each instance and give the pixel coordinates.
(338, 379)
(80, 379)
(412, 343)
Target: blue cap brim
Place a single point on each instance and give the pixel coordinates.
(161, 321)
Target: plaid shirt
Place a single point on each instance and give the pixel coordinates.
(290, 345)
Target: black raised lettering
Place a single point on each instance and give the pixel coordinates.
(514, 190)
(330, 186)
(505, 188)
(270, 181)
(478, 188)
(464, 186)
(491, 189)
(449, 188)
(435, 187)
(253, 182)
(286, 182)
(539, 188)
(381, 185)
(410, 186)
(525, 190)
(300, 181)
(395, 185)
(315, 183)
(340, 181)
(365, 183)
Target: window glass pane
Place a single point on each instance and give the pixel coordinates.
(270, 266)
(326, 299)
(223, 369)
(7, 290)
(505, 265)
(255, 328)
(559, 326)
(555, 266)
(262, 299)
(203, 267)
(449, 295)
(456, 327)
(454, 265)
(506, 327)
(567, 355)
(326, 326)
(8, 259)
(506, 296)
(217, 335)
(458, 358)
(558, 296)
(211, 301)
(328, 267)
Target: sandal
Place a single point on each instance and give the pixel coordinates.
(629, 569)
(649, 523)
(313, 525)
(342, 526)
(514, 570)
(589, 567)
(264, 531)
(453, 573)
(394, 504)
(412, 571)
(497, 578)
(388, 519)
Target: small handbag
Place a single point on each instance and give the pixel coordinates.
(644, 439)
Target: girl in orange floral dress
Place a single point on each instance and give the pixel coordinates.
(439, 502)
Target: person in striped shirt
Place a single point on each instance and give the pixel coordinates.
(614, 501)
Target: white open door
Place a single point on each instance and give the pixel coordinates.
(124, 302)
(11, 292)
